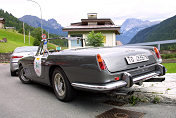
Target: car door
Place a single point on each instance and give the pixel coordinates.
(39, 61)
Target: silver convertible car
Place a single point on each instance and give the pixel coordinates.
(100, 69)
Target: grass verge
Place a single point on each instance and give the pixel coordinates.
(14, 39)
(171, 67)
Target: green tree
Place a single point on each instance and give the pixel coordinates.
(11, 21)
(95, 39)
(36, 42)
(36, 33)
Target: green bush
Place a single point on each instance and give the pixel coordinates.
(134, 100)
(36, 42)
(156, 100)
(168, 56)
(95, 39)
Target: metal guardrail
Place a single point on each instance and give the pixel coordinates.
(137, 44)
(68, 38)
(156, 43)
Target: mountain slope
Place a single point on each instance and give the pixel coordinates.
(165, 30)
(14, 39)
(51, 24)
(131, 26)
(12, 21)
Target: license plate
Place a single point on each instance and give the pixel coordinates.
(136, 58)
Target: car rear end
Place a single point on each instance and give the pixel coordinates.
(125, 66)
(14, 62)
(19, 53)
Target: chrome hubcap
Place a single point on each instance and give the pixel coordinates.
(23, 77)
(59, 84)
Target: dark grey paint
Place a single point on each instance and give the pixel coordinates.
(80, 65)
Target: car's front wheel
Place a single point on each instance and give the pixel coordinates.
(22, 76)
(13, 73)
(62, 88)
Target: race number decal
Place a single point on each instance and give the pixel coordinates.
(37, 65)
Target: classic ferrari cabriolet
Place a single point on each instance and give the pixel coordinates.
(99, 69)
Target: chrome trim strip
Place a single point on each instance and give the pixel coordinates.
(113, 85)
(104, 87)
(145, 77)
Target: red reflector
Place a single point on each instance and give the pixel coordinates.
(99, 58)
(17, 57)
(101, 62)
(157, 53)
(116, 78)
(102, 65)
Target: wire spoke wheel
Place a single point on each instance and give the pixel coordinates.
(59, 84)
(23, 77)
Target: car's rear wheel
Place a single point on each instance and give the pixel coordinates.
(62, 87)
(13, 73)
(22, 76)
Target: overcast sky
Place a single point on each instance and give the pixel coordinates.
(70, 11)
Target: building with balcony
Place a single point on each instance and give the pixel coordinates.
(81, 29)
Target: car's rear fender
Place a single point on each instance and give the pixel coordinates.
(126, 80)
(79, 68)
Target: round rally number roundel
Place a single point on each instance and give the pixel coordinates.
(43, 36)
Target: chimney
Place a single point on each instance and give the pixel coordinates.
(92, 15)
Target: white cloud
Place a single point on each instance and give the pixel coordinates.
(68, 11)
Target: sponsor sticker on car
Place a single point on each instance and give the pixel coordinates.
(136, 58)
(37, 65)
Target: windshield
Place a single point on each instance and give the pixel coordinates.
(26, 49)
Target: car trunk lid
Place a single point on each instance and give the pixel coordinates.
(115, 59)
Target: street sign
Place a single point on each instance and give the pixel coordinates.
(45, 45)
(43, 36)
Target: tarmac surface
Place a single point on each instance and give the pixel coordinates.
(19, 100)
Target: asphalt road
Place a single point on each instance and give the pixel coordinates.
(19, 100)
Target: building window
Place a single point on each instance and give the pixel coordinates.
(77, 41)
(76, 35)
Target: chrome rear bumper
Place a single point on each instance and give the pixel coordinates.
(13, 66)
(115, 85)
(126, 81)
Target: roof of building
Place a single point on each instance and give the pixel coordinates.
(93, 23)
(2, 19)
(102, 25)
(93, 27)
(100, 20)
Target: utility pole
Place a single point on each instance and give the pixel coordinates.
(24, 32)
(29, 37)
(48, 33)
(40, 12)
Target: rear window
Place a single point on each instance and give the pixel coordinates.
(26, 49)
